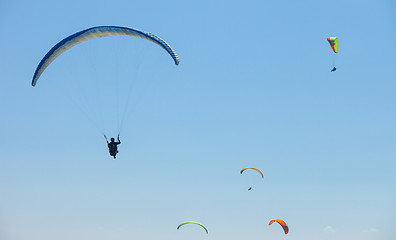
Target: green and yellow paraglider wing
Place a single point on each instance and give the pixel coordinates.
(197, 223)
(333, 43)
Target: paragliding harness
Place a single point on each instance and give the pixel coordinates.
(113, 146)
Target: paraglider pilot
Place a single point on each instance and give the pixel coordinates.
(113, 146)
(334, 68)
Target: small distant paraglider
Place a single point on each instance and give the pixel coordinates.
(334, 45)
(243, 169)
(197, 223)
(255, 169)
(282, 223)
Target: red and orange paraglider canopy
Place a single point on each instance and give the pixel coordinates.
(282, 223)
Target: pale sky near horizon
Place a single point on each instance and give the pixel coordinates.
(253, 88)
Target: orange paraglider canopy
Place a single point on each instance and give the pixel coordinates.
(262, 176)
(282, 223)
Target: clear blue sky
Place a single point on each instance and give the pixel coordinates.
(253, 88)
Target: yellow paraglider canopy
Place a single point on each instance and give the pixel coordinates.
(262, 176)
